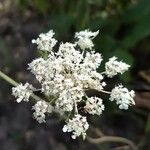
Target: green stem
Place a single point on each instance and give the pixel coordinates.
(107, 92)
(75, 107)
(147, 129)
(36, 97)
(8, 79)
(14, 83)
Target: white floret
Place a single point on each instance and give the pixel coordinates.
(93, 60)
(85, 39)
(45, 41)
(38, 68)
(112, 67)
(78, 126)
(94, 105)
(122, 96)
(22, 92)
(41, 107)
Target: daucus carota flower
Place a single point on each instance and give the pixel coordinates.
(122, 96)
(38, 68)
(112, 67)
(66, 99)
(92, 60)
(45, 41)
(65, 76)
(94, 105)
(22, 92)
(41, 107)
(78, 126)
(85, 39)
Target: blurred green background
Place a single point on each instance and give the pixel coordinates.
(124, 32)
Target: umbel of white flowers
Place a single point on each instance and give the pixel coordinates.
(66, 74)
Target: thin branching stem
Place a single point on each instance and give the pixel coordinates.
(118, 139)
(97, 131)
(105, 138)
(75, 107)
(103, 72)
(8, 79)
(103, 91)
(14, 83)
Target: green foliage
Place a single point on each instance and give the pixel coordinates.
(139, 31)
(139, 16)
(137, 11)
(41, 6)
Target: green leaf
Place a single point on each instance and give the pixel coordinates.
(82, 15)
(62, 25)
(136, 11)
(41, 6)
(140, 30)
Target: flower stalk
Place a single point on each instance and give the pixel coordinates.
(14, 83)
(8, 79)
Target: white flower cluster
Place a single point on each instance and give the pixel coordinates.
(41, 107)
(78, 125)
(85, 39)
(45, 41)
(113, 67)
(22, 92)
(122, 96)
(94, 105)
(66, 74)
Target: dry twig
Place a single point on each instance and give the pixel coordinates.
(103, 139)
